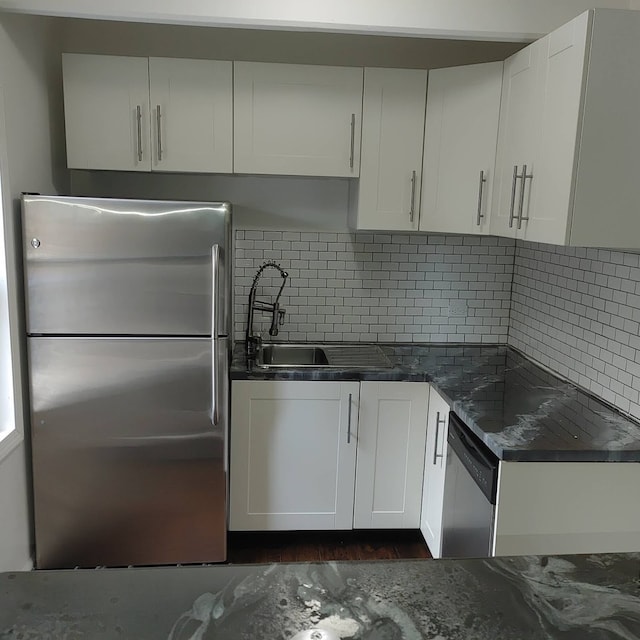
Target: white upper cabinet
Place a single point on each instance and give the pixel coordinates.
(567, 168)
(391, 435)
(297, 119)
(144, 114)
(517, 139)
(387, 196)
(106, 109)
(192, 115)
(463, 107)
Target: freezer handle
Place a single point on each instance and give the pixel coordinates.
(215, 377)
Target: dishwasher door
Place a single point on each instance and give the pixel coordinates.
(469, 495)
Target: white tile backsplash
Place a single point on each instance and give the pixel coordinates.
(577, 311)
(378, 286)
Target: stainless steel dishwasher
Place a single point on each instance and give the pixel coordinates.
(471, 478)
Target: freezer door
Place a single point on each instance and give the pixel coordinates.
(125, 267)
(128, 467)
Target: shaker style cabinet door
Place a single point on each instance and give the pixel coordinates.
(191, 115)
(106, 111)
(293, 454)
(391, 437)
(518, 138)
(387, 196)
(434, 470)
(297, 119)
(463, 107)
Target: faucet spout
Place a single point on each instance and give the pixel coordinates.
(273, 308)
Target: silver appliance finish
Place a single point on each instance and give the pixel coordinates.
(128, 314)
(468, 512)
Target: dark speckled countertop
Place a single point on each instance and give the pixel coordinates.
(592, 597)
(521, 411)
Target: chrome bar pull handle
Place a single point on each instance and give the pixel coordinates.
(413, 196)
(353, 140)
(139, 128)
(480, 190)
(159, 130)
(349, 420)
(513, 195)
(525, 176)
(215, 382)
(439, 422)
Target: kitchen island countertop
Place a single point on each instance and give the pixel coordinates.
(569, 597)
(521, 411)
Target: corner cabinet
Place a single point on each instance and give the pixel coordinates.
(292, 119)
(148, 114)
(463, 108)
(567, 163)
(434, 470)
(387, 196)
(293, 454)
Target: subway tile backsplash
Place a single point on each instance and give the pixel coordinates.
(384, 287)
(577, 311)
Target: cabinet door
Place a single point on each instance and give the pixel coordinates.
(293, 455)
(434, 469)
(297, 119)
(106, 111)
(390, 166)
(391, 436)
(463, 106)
(563, 56)
(192, 115)
(518, 133)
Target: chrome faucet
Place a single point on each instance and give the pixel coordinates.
(277, 314)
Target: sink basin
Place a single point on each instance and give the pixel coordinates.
(291, 355)
(337, 356)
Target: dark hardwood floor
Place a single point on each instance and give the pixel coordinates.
(316, 546)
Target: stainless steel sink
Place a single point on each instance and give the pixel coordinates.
(291, 355)
(337, 356)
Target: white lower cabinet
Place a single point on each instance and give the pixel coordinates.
(434, 469)
(294, 447)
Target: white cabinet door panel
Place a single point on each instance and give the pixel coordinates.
(388, 192)
(391, 437)
(463, 107)
(292, 458)
(194, 101)
(434, 470)
(297, 119)
(106, 103)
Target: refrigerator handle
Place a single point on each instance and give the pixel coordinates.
(215, 381)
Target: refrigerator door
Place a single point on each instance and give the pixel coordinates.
(128, 465)
(125, 267)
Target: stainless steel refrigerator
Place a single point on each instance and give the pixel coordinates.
(128, 318)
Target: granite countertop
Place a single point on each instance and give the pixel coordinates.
(593, 597)
(519, 410)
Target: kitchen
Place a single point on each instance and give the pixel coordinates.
(537, 266)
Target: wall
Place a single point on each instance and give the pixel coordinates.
(479, 19)
(379, 287)
(29, 76)
(577, 311)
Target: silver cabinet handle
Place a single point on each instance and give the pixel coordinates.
(215, 383)
(480, 190)
(439, 422)
(353, 139)
(349, 421)
(159, 130)
(513, 195)
(525, 176)
(139, 125)
(413, 195)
